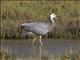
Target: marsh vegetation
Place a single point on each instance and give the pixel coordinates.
(14, 13)
(7, 54)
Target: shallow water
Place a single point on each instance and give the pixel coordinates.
(24, 48)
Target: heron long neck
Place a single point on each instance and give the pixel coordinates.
(51, 24)
(51, 21)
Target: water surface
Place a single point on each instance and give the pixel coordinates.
(24, 48)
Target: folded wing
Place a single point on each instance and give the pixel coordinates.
(38, 28)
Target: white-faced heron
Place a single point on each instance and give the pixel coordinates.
(40, 28)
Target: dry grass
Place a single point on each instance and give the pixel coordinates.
(14, 13)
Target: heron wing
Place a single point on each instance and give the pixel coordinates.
(38, 28)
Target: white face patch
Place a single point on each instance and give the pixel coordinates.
(52, 16)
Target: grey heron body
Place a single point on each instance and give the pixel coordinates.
(39, 28)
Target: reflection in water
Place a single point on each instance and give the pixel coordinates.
(36, 52)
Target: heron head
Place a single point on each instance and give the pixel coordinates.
(51, 17)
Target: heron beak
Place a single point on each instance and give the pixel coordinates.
(58, 16)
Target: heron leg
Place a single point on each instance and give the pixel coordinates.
(40, 40)
(34, 40)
